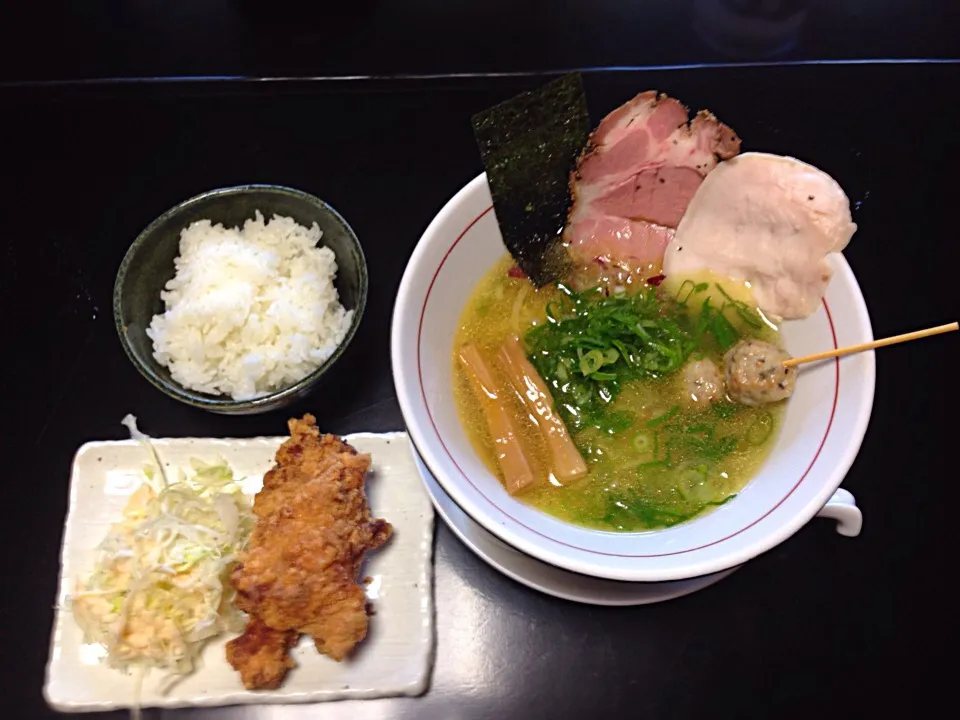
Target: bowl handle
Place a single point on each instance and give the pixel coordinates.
(842, 507)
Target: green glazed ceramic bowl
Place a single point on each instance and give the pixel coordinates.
(148, 266)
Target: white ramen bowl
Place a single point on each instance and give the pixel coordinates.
(820, 435)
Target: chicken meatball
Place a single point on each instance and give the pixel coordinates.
(755, 373)
(702, 383)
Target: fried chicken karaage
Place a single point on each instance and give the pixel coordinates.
(299, 571)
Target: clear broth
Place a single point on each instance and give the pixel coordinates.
(626, 489)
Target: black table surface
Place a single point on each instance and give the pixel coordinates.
(66, 39)
(821, 625)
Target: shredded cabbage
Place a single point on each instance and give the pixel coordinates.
(158, 590)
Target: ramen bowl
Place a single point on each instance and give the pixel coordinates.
(820, 434)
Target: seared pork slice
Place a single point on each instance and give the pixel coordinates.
(768, 220)
(635, 178)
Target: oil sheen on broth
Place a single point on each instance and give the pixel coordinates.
(654, 458)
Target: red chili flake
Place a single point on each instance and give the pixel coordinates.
(516, 272)
(656, 280)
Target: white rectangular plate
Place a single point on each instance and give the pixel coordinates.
(395, 658)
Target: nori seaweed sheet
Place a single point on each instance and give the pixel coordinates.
(529, 144)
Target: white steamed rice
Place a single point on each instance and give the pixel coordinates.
(249, 311)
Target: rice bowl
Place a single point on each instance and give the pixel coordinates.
(149, 268)
(250, 310)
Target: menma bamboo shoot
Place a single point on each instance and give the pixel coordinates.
(513, 461)
(567, 462)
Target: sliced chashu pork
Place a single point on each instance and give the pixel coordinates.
(769, 220)
(635, 178)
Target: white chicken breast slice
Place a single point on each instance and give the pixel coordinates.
(768, 220)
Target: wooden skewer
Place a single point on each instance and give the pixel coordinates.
(837, 352)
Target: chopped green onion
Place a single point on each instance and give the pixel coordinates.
(643, 443)
(761, 429)
(722, 329)
(746, 314)
(654, 463)
(723, 409)
(591, 361)
(615, 421)
(691, 477)
(665, 416)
